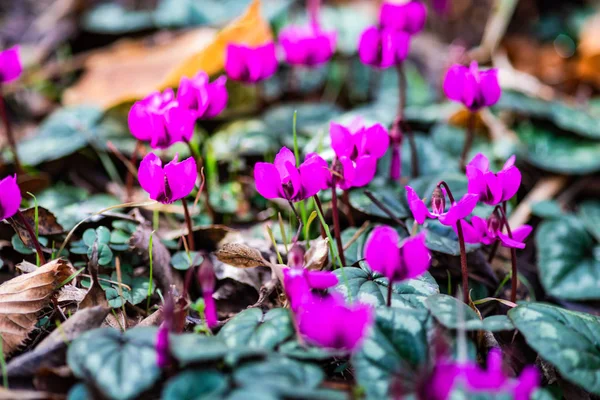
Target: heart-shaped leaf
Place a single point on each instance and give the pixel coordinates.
(120, 365)
(395, 346)
(390, 197)
(568, 259)
(445, 309)
(279, 372)
(195, 385)
(251, 328)
(191, 348)
(589, 214)
(182, 261)
(566, 339)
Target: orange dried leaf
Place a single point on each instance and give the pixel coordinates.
(131, 69)
(21, 299)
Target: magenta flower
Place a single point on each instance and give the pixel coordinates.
(408, 17)
(10, 197)
(457, 211)
(487, 232)
(166, 185)
(299, 282)
(206, 277)
(526, 384)
(283, 179)
(206, 99)
(493, 188)
(329, 322)
(307, 45)
(161, 120)
(163, 354)
(383, 48)
(397, 260)
(490, 379)
(10, 64)
(474, 88)
(250, 64)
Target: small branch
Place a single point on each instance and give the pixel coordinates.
(188, 221)
(300, 224)
(385, 209)
(389, 294)
(34, 239)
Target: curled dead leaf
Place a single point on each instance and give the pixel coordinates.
(21, 298)
(241, 256)
(316, 257)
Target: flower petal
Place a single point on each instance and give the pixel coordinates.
(366, 166)
(489, 87)
(321, 280)
(341, 139)
(293, 177)
(460, 210)
(377, 140)
(10, 64)
(480, 162)
(417, 206)
(140, 121)
(470, 233)
(454, 82)
(314, 175)
(284, 156)
(381, 251)
(181, 177)
(235, 62)
(522, 232)
(10, 197)
(267, 180)
(510, 180)
(508, 242)
(416, 256)
(218, 96)
(151, 176)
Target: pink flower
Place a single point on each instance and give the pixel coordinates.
(492, 378)
(162, 346)
(250, 64)
(474, 88)
(408, 17)
(206, 277)
(526, 384)
(487, 232)
(166, 185)
(397, 260)
(457, 211)
(206, 99)
(283, 179)
(10, 64)
(10, 197)
(383, 48)
(307, 45)
(299, 282)
(161, 120)
(329, 322)
(493, 188)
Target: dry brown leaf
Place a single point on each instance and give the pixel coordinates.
(316, 257)
(21, 298)
(588, 64)
(141, 69)
(241, 256)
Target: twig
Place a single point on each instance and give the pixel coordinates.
(385, 209)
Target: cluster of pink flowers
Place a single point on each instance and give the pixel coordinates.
(323, 318)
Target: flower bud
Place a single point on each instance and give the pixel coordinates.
(438, 201)
(296, 257)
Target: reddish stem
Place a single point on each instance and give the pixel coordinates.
(9, 134)
(336, 220)
(389, 294)
(188, 221)
(513, 256)
(34, 240)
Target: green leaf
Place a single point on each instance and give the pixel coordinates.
(391, 197)
(443, 239)
(114, 19)
(64, 132)
(568, 259)
(243, 138)
(589, 214)
(105, 254)
(192, 348)
(558, 153)
(182, 261)
(280, 373)
(195, 385)
(359, 284)
(547, 209)
(120, 365)
(445, 309)
(68, 216)
(251, 328)
(293, 349)
(396, 345)
(79, 392)
(20, 247)
(566, 339)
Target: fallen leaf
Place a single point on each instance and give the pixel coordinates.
(95, 295)
(316, 257)
(241, 256)
(9, 394)
(21, 298)
(589, 51)
(141, 69)
(47, 224)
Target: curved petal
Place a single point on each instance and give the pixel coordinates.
(460, 210)
(322, 174)
(392, 16)
(470, 233)
(349, 173)
(470, 93)
(10, 197)
(341, 139)
(416, 256)
(480, 162)
(217, 96)
(10, 64)
(528, 382)
(181, 177)
(510, 180)
(401, 44)
(416, 14)
(489, 87)
(510, 161)
(493, 189)
(354, 324)
(293, 178)
(377, 140)
(480, 225)
(476, 180)
(454, 82)
(382, 253)
(508, 242)
(140, 121)
(179, 122)
(321, 279)
(284, 156)
(235, 62)
(267, 180)
(366, 166)
(151, 176)
(314, 175)
(417, 206)
(521, 233)
(268, 59)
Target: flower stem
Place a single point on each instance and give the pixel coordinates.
(389, 294)
(493, 251)
(188, 221)
(129, 180)
(300, 224)
(414, 158)
(34, 239)
(336, 220)
(464, 270)
(468, 140)
(513, 256)
(9, 134)
(204, 185)
(320, 207)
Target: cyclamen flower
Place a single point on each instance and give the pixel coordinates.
(383, 48)
(10, 64)
(493, 188)
(474, 88)
(163, 350)
(299, 282)
(166, 185)
(10, 197)
(307, 45)
(409, 17)
(283, 179)
(487, 232)
(329, 322)
(250, 64)
(161, 120)
(206, 99)
(206, 277)
(397, 260)
(457, 211)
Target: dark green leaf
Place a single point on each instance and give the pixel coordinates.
(280, 373)
(191, 348)
(547, 209)
(251, 328)
(20, 247)
(195, 385)
(183, 262)
(391, 197)
(589, 214)
(566, 339)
